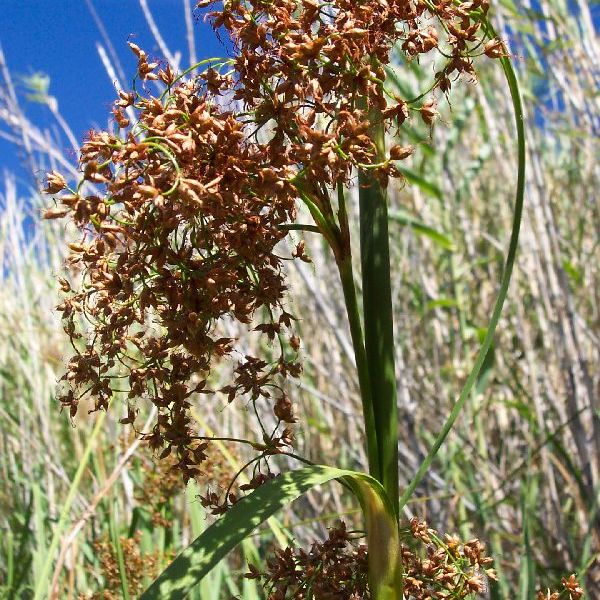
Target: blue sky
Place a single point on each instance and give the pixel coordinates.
(59, 39)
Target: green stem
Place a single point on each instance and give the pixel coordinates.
(386, 584)
(360, 355)
(324, 225)
(116, 542)
(298, 227)
(378, 317)
(504, 283)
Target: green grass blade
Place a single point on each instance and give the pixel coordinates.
(405, 218)
(10, 560)
(198, 559)
(425, 186)
(39, 522)
(527, 587)
(513, 85)
(23, 560)
(43, 581)
(116, 542)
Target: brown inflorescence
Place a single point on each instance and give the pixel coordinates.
(183, 237)
(181, 211)
(447, 568)
(337, 569)
(138, 567)
(570, 590)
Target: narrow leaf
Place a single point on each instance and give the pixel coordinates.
(513, 86)
(405, 218)
(425, 186)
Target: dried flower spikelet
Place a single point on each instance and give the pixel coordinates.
(495, 49)
(401, 152)
(571, 589)
(57, 212)
(284, 410)
(420, 530)
(429, 111)
(56, 183)
(300, 253)
(548, 595)
(145, 69)
(572, 586)
(295, 342)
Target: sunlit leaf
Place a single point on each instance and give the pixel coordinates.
(191, 565)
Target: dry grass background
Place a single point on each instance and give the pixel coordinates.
(521, 469)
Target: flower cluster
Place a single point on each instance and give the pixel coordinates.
(333, 569)
(449, 567)
(182, 238)
(337, 568)
(181, 210)
(315, 72)
(571, 590)
(138, 567)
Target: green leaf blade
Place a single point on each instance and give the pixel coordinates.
(437, 237)
(205, 552)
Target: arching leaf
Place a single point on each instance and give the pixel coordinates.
(191, 565)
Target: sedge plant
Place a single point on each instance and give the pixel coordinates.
(183, 209)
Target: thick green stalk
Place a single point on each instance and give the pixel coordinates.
(362, 367)
(383, 587)
(378, 317)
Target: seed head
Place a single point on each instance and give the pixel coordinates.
(56, 183)
(181, 212)
(494, 49)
